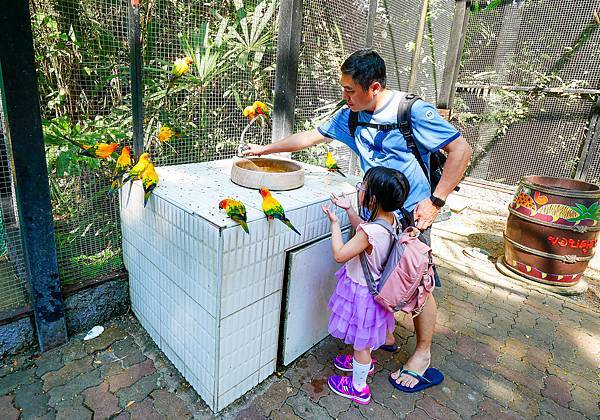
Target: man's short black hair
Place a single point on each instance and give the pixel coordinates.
(365, 66)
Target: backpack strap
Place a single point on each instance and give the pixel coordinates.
(353, 122)
(405, 127)
(371, 283)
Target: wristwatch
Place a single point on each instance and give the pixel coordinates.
(438, 202)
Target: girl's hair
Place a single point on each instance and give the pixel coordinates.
(385, 189)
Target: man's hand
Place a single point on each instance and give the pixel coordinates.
(425, 213)
(253, 150)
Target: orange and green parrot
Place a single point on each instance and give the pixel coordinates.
(149, 181)
(98, 150)
(261, 108)
(273, 209)
(138, 169)
(249, 112)
(180, 67)
(236, 211)
(332, 165)
(123, 164)
(166, 133)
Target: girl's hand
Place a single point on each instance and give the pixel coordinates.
(332, 216)
(341, 201)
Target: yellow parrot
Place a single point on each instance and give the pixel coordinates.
(180, 67)
(273, 209)
(262, 109)
(236, 211)
(332, 165)
(138, 169)
(249, 112)
(123, 164)
(149, 181)
(166, 133)
(98, 150)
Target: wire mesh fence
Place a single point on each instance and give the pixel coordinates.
(13, 287)
(513, 54)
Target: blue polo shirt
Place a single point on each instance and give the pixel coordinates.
(388, 148)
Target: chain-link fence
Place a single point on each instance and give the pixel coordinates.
(529, 74)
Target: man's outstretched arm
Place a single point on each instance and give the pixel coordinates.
(291, 143)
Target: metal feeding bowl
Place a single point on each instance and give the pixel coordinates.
(274, 174)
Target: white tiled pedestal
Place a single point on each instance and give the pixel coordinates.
(207, 293)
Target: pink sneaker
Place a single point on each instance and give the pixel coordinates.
(342, 385)
(344, 363)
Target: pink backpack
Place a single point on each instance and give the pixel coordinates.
(407, 277)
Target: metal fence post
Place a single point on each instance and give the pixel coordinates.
(455, 49)
(286, 72)
(416, 59)
(135, 57)
(591, 145)
(371, 23)
(22, 109)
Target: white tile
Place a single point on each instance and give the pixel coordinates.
(270, 328)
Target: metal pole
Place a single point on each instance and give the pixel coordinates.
(135, 60)
(371, 23)
(414, 68)
(286, 71)
(591, 144)
(22, 109)
(455, 48)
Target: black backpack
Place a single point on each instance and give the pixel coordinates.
(436, 160)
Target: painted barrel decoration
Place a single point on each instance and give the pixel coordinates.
(552, 229)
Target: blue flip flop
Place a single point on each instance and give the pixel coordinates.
(431, 377)
(389, 347)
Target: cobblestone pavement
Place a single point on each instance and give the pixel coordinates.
(507, 351)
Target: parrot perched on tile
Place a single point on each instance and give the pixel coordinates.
(180, 67)
(122, 166)
(236, 211)
(332, 165)
(98, 150)
(138, 169)
(149, 181)
(261, 109)
(273, 209)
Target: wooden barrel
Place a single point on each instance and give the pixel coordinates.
(552, 229)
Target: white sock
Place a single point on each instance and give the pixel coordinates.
(359, 374)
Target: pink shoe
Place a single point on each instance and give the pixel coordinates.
(342, 385)
(344, 363)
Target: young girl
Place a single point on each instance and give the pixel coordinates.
(355, 316)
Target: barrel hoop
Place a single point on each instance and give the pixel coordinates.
(567, 259)
(574, 228)
(561, 192)
(527, 276)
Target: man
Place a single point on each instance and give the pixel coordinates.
(364, 89)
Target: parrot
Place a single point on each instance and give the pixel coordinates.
(249, 112)
(149, 181)
(123, 164)
(166, 133)
(236, 211)
(98, 150)
(273, 209)
(138, 169)
(180, 67)
(262, 109)
(332, 165)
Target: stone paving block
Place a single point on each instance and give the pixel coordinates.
(538, 358)
(466, 372)
(327, 349)
(72, 409)
(549, 409)
(374, 410)
(518, 373)
(558, 390)
(435, 410)
(478, 352)
(131, 375)
(489, 409)
(589, 382)
(48, 362)
(13, 380)
(104, 340)
(525, 403)
(32, 400)
(73, 350)
(380, 386)
(274, 396)
(586, 402)
(396, 360)
(144, 410)
(317, 386)
(303, 370)
(249, 413)
(402, 403)
(127, 352)
(418, 414)
(9, 412)
(170, 405)
(74, 387)
(353, 413)
(139, 390)
(284, 413)
(304, 408)
(457, 397)
(66, 373)
(334, 404)
(101, 401)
